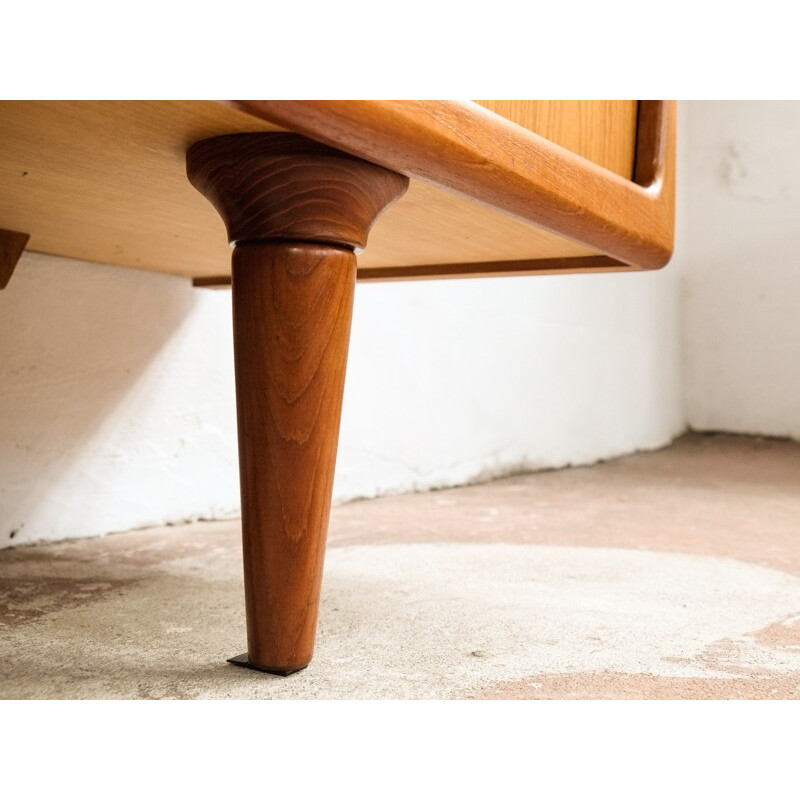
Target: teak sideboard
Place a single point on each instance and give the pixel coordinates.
(444, 190)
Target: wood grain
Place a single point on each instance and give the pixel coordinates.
(602, 131)
(106, 181)
(292, 306)
(284, 186)
(468, 149)
(12, 246)
(296, 211)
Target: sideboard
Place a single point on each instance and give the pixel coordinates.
(444, 189)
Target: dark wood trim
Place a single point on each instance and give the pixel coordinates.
(494, 269)
(292, 306)
(468, 149)
(12, 246)
(297, 211)
(212, 282)
(650, 154)
(478, 269)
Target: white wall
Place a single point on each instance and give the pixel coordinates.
(449, 381)
(116, 401)
(740, 267)
(116, 387)
(117, 408)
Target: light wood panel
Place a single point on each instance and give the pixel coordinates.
(468, 149)
(105, 181)
(604, 131)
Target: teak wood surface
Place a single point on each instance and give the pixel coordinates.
(281, 186)
(474, 152)
(104, 180)
(297, 211)
(292, 307)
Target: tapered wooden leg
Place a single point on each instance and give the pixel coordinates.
(296, 211)
(292, 306)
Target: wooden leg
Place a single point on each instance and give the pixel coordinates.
(12, 245)
(292, 306)
(296, 211)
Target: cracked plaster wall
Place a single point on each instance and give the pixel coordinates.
(739, 269)
(117, 405)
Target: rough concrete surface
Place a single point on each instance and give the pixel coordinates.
(673, 574)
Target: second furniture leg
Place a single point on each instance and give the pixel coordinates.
(292, 310)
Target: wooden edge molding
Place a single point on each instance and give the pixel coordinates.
(212, 282)
(478, 269)
(463, 147)
(12, 246)
(494, 269)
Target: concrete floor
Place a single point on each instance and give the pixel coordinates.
(673, 574)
